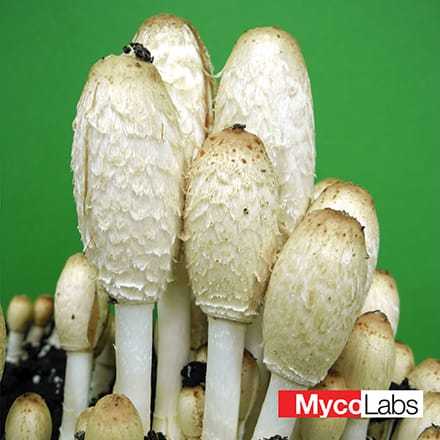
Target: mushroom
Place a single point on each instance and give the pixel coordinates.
(2, 343)
(325, 429)
(367, 362)
(80, 315)
(114, 417)
(383, 296)
(81, 422)
(403, 364)
(104, 371)
(411, 428)
(190, 411)
(28, 419)
(426, 375)
(18, 318)
(128, 164)
(232, 236)
(322, 185)
(430, 433)
(265, 86)
(315, 293)
(43, 312)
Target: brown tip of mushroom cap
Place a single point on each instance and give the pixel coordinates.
(190, 408)
(430, 433)
(19, 314)
(322, 185)
(404, 362)
(28, 419)
(43, 310)
(426, 375)
(114, 417)
(83, 419)
(374, 323)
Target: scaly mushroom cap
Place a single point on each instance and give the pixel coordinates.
(325, 429)
(19, 314)
(184, 64)
(404, 363)
(323, 185)
(411, 428)
(357, 202)
(28, 419)
(430, 433)
(426, 375)
(2, 342)
(80, 306)
(199, 327)
(190, 408)
(231, 224)
(367, 361)
(114, 417)
(83, 420)
(383, 296)
(315, 293)
(43, 310)
(127, 161)
(265, 85)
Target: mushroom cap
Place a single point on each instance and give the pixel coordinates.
(199, 327)
(315, 293)
(323, 185)
(265, 85)
(367, 361)
(80, 306)
(43, 310)
(127, 162)
(357, 202)
(114, 417)
(2, 342)
(430, 433)
(231, 224)
(19, 314)
(426, 375)
(325, 429)
(184, 64)
(28, 419)
(404, 362)
(383, 296)
(411, 428)
(83, 420)
(190, 408)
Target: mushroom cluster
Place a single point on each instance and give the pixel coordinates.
(214, 271)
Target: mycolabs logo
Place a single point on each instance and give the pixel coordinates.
(352, 404)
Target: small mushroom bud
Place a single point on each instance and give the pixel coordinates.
(322, 185)
(430, 433)
(190, 411)
(82, 421)
(28, 419)
(383, 296)
(18, 318)
(367, 362)
(80, 314)
(403, 364)
(325, 429)
(43, 312)
(114, 417)
(2, 343)
(426, 375)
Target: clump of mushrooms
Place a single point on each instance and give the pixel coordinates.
(42, 314)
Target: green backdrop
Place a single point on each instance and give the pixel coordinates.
(375, 70)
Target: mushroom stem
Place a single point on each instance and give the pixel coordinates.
(269, 424)
(35, 335)
(356, 429)
(15, 349)
(174, 336)
(223, 379)
(133, 336)
(76, 390)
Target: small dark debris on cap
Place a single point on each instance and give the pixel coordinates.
(80, 435)
(193, 374)
(404, 386)
(238, 126)
(140, 51)
(153, 435)
(276, 437)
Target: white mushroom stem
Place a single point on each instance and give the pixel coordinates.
(356, 429)
(223, 379)
(134, 339)
(35, 335)
(173, 347)
(76, 390)
(15, 347)
(269, 424)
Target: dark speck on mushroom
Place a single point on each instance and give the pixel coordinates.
(239, 127)
(73, 316)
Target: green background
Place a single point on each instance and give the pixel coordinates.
(374, 67)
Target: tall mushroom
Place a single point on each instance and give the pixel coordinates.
(426, 375)
(128, 163)
(43, 311)
(232, 235)
(18, 318)
(28, 419)
(315, 293)
(367, 362)
(80, 315)
(184, 64)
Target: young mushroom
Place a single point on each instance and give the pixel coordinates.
(2, 343)
(383, 296)
(128, 163)
(190, 407)
(232, 236)
(315, 293)
(265, 86)
(430, 433)
(42, 314)
(18, 318)
(367, 362)
(426, 375)
(28, 419)
(114, 417)
(80, 315)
